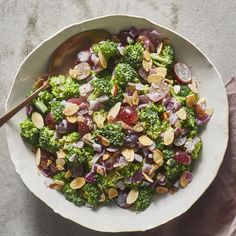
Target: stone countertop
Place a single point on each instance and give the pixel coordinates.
(24, 24)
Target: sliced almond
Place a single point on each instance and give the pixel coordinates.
(71, 109)
(38, 156)
(147, 177)
(102, 60)
(145, 140)
(128, 154)
(161, 71)
(153, 168)
(71, 119)
(49, 162)
(181, 113)
(193, 88)
(171, 82)
(100, 171)
(159, 48)
(138, 127)
(165, 115)
(87, 138)
(57, 187)
(146, 55)
(128, 99)
(112, 193)
(80, 118)
(73, 73)
(178, 124)
(104, 141)
(60, 162)
(135, 98)
(132, 196)
(105, 156)
(68, 174)
(37, 120)
(154, 78)
(60, 167)
(102, 197)
(173, 190)
(168, 137)
(209, 111)
(59, 182)
(77, 183)
(114, 90)
(157, 156)
(113, 112)
(176, 89)
(190, 100)
(147, 65)
(61, 154)
(161, 190)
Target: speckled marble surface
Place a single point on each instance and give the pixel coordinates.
(24, 24)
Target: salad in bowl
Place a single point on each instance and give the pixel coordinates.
(123, 127)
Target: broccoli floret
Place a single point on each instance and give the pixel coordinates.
(92, 194)
(131, 168)
(29, 132)
(149, 117)
(64, 88)
(165, 58)
(60, 176)
(184, 91)
(182, 94)
(42, 101)
(144, 199)
(99, 118)
(124, 73)
(70, 138)
(57, 110)
(197, 150)
(113, 132)
(109, 180)
(167, 154)
(133, 55)
(48, 141)
(108, 48)
(73, 196)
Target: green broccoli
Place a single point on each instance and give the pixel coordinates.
(92, 194)
(57, 110)
(165, 58)
(197, 150)
(99, 118)
(70, 138)
(48, 140)
(60, 176)
(42, 101)
(73, 196)
(29, 132)
(124, 73)
(64, 88)
(108, 48)
(131, 168)
(144, 199)
(113, 132)
(133, 55)
(109, 180)
(167, 154)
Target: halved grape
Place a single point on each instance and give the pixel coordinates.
(128, 115)
(182, 73)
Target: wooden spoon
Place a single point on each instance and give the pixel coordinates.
(60, 62)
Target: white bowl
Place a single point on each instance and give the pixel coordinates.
(163, 209)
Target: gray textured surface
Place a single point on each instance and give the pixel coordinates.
(24, 24)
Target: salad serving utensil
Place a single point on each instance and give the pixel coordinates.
(61, 59)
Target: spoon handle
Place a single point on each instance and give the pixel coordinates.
(25, 102)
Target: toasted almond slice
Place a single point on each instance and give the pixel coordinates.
(71, 119)
(71, 109)
(138, 127)
(168, 137)
(102, 197)
(128, 154)
(161, 71)
(113, 112)
(147, 65)
(58, 187)
(104, 141)
(73, 73)
(155, 78)
(100, 171)
(146, 55)
(135, 98)
(153, 168)
(61, 154)
(176, 89)
(132, 196)
(105, 156)
(193, 88)
(37, 120)
(157, 156)
(68, 174)
(145, 140)
(159, 48)
(128, 99)
(173, 190)
(190, 100)
(80, 118)
(181, 113)
(178, 124)
(59, 182)
(112, 193)
(161, 190)
(168, 81)
(165, 115)
(38, 156)
(60, 167)
(147, 177)
(87, 138)
(49, 162)
(60, 162)
(102, 60)
(209, 111)
(114, 90)
(77, 183)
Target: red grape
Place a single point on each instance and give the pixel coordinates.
(83, 128)
(50, 121)
(183, 158)
(182, 73)
(79, 101)
(128, 115)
